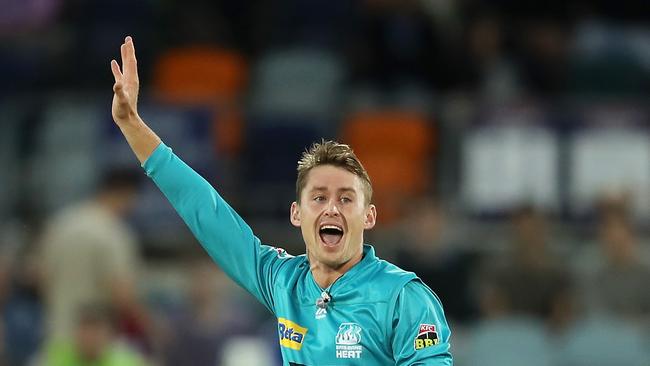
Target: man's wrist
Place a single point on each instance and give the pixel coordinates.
(132, 123)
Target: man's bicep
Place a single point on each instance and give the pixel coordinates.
(421, 333)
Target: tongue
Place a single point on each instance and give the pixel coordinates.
(331, 239)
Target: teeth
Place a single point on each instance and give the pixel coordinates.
(331, 227)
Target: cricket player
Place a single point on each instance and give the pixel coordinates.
(338, 304)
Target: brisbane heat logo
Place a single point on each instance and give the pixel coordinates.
(427, 337)
(291, 334)
(347, 341)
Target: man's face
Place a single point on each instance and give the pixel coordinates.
(332, 215)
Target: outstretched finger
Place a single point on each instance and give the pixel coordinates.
(115, 68)
(123, 54)
(130, 62)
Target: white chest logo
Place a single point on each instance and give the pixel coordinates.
(321, 304)
(347, 341)
(320, 313)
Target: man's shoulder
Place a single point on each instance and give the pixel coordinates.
(391, 271)
(281, 254)
(285, 264)
(387, 277)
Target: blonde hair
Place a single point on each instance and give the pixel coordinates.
(335, 154)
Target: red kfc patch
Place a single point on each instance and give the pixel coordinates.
(427, 337)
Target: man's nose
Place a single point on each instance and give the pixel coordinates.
(332, 209)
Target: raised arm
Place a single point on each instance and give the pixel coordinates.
(141, 138)
(216, 225)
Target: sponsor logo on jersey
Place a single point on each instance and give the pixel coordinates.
(321, 304)
(347, 341)
(291, 334)
(427, 337)
(281, 252)
(320, 313)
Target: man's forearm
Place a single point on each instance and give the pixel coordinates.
(141, 138)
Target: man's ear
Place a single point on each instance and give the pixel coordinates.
(294, 216)
(371, 217)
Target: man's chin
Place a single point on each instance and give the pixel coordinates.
(331, 248)
(332, 259)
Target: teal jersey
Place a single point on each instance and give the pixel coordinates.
(375, 314)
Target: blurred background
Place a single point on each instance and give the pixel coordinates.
(508, 144)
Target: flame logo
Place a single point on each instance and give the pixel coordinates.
(349, 334)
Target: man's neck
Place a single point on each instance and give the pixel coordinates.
(325, 275)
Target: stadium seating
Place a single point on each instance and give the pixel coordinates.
(271, 176)
(507, 341)
(609, 60)
(609, 158)
(395, 147)
(61, 171)
(206, 75)
(294, 102)
(510, 157)
(105, 24)
(603, 341)
(303, 82)
(200, 74)
(13, 116)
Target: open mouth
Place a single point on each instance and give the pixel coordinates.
(330, 234)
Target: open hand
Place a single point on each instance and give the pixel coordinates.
(125, 90)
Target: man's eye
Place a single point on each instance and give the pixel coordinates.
(319, 198)
(346, 200)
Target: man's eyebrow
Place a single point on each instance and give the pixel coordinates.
(343, 189)
(347, 189)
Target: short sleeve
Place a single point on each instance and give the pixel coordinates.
(421, 333)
